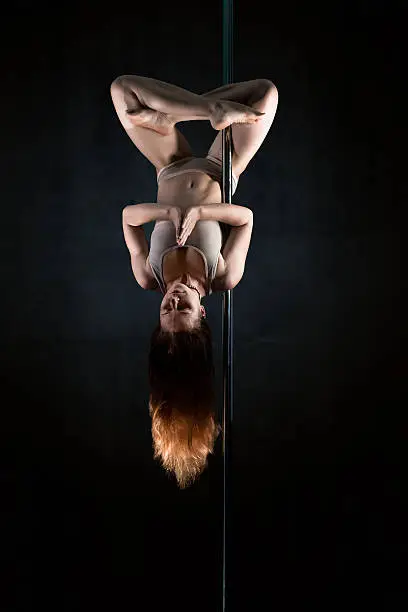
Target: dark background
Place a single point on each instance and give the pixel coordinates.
(90, 521)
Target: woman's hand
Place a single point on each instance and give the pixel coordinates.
(175, 215)
(192, 215)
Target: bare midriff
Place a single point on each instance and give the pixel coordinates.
(189, 189)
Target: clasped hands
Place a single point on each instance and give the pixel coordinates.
(184, 223)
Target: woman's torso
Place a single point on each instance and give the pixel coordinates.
(189, 189)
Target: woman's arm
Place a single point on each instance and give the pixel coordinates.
(236, 247)
(133, 231)
(235, 252)
(231, 214)
(139, 214)
(133, 217)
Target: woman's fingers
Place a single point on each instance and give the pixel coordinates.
(187, 217)
(175, 217)
(185, 234)
(184, 237)
(187, 226)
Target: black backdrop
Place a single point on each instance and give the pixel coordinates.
(90, 521)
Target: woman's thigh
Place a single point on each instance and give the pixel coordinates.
(159, 149)
(247, 138)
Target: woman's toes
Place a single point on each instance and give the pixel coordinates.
(225, 113)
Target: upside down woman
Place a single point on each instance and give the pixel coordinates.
(198, 246)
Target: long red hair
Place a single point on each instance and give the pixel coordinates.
(182, 400)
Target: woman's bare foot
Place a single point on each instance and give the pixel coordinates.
(226, 112)
(152, 120)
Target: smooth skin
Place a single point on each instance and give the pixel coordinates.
(149, 110)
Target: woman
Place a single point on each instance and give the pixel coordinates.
(191, 255)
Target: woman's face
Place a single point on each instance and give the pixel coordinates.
(180, 309)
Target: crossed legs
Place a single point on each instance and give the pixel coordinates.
(149, 110)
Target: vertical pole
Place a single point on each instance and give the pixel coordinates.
(227, 328)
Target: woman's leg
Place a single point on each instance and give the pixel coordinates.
(159, 106)
(246, 92)
(176, 103)
(154, 135)
(261, 95)
(149, 109)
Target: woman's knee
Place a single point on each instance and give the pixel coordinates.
(268, 86)
(117, 83)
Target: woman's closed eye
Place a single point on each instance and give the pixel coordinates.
(185, 310)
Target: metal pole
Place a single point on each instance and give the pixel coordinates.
(227, 328)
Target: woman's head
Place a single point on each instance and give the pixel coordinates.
(181, 308)
(182, 400)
